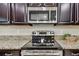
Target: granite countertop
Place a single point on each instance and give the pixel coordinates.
(67, 45)
(17, 42)
(13, 42)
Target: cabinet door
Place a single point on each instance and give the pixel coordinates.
(72, 13)
(4, 13)
(65, 13)
(77, 13)
(19, 12)
(10, 53)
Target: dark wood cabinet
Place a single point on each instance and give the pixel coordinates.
(71, 52)
(4, 13)
(10, 53)
(19, 12)
(72, 20)
(65, 13)
(77, 13)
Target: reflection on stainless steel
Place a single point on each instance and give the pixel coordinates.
(42, 40)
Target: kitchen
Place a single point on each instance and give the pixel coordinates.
(25, 29)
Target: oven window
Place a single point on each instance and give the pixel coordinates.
(53, 15)
(39, 15)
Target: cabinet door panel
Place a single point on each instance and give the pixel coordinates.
(4, 12)
(72, 13)
(65, 13)
(77, 13)
(19, 13)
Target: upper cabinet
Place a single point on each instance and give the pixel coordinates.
(65, 13)
(77, 13)
(4, 13)
(19, 12)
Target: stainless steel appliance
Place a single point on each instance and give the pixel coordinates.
(43, 4)
(43, 38)
(42, 14)
(42, 52)
(42, 44)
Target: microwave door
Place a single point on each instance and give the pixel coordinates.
(38, 16)
(34, 17)
(43, 17)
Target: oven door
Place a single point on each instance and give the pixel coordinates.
(38, 16)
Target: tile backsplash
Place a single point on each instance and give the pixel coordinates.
(27, 30)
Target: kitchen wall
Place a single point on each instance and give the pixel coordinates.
(27, 30)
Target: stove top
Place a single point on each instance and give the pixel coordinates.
(30, 46)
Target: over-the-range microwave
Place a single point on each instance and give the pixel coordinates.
(42, 14)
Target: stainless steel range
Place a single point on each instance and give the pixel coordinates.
(42, 38)
(42, 44)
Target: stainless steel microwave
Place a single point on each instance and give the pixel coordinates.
(42, 14)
